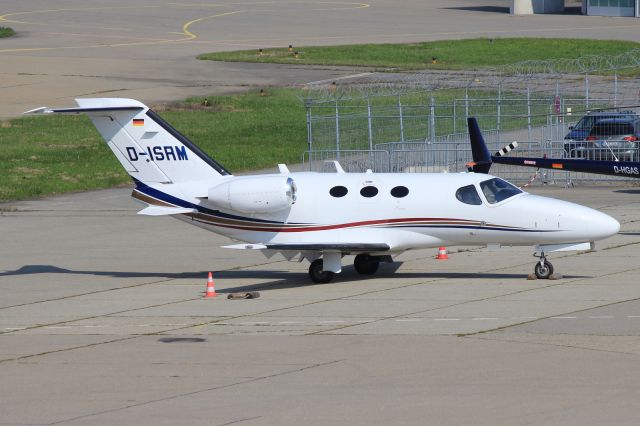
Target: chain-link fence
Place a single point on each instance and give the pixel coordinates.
(396, 122)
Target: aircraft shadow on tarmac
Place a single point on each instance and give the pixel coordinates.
(492, 9)
(279, 279)
(572, 10)
(628, 191)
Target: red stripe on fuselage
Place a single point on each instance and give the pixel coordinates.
(415, 221)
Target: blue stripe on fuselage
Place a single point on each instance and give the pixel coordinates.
(163, 196)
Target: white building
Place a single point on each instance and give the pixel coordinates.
(589, 7)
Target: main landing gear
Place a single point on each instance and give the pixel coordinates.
(317, 274)
(543, 268)
(365, 264)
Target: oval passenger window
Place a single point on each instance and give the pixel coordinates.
(400, 191)
(338, 191)
(369, 191)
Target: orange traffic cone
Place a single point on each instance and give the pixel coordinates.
(211, 288)
(442, 254)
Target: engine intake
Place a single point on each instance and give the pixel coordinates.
(254, 194)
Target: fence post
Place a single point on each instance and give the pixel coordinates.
(401, 119)
(432, 131)
(432, 120)
(466, 104)
(499, 111)
(308, 103)
(557, 104)
(586, 89)
(370, 132)
(529, 113)
(369, 123)
(454, 115)
(337, 131)
(615, 89)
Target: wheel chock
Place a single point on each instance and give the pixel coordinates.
(532, 277)
(244, 295)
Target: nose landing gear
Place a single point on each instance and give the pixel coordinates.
(543, 268)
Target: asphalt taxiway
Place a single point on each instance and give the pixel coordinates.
(102, 321)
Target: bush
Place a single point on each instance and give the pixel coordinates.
(6, 32)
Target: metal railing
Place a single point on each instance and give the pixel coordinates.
(451, 153)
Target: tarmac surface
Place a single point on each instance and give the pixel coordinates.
(147, 49)
(102, 322)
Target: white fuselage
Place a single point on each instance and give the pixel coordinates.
(430, 215)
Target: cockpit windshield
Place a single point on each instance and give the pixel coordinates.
(496, 190)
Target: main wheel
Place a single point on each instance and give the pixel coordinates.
(365, 265)
(543, 271)
(317, 274)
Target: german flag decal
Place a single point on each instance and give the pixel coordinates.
(556, 165)
(138, 121)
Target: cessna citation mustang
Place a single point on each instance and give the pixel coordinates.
(322, 217)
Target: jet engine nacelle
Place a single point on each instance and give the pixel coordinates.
(254, 194)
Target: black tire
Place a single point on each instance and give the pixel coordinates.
(365, 265)
(317, 274)
(543, 271)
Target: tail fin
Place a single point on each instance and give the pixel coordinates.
(149, 149)
(481, 157)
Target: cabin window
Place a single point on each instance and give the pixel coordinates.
(468, 195)
(400, 191)
(369, 191)
(496, 190)
(338, 191)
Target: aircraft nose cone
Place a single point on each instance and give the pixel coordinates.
(602, 225)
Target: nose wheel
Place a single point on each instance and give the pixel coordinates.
(543, 268)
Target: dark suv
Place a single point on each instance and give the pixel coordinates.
(576, 143)
(615, 139)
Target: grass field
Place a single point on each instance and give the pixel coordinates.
(55, 154)
(449, 54)
(6, 32)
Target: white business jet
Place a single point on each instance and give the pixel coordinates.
(322, 217)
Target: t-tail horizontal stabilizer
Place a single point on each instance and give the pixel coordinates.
(481, 157)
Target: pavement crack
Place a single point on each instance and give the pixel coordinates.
(559, 345)
(23, 357)
(233, 422)
(196, 392)
(80, 295)
(554, 315)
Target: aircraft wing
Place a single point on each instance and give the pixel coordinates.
(614, 168)
(341, 247)
(162, 211)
